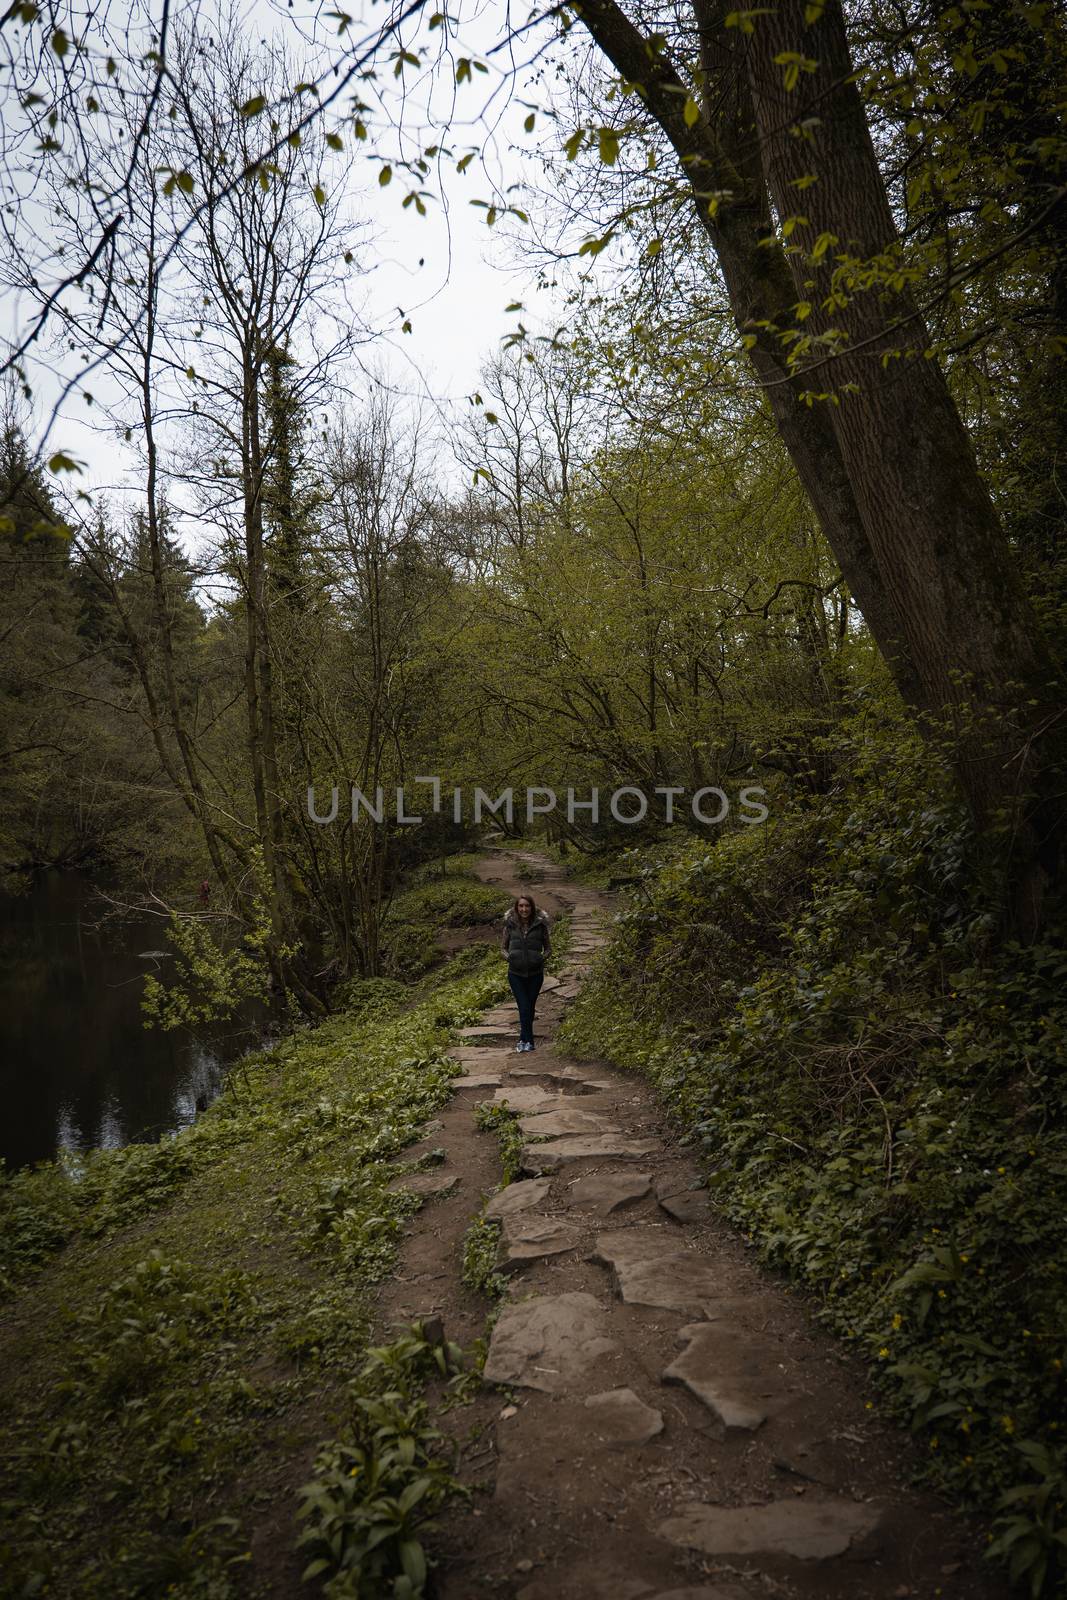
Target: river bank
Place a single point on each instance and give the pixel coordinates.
(182, 1317)
(78, 1068)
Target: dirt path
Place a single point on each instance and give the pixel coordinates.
(662, 1419)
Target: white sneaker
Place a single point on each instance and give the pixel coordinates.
(519, 1048)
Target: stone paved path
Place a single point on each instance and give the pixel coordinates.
(671, 1424)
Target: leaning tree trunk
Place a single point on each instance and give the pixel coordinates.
(721, 160)
(884, 455)
(986, 679)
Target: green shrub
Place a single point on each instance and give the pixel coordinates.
(371, 999)
(410, 949)
(123, 1185)
(149, 1322)
(39, 1209)
(452, 902)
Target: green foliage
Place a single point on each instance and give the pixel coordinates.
(121, 1186)
(461, 862)
(358, 1220)
(453, 899)
(499, 1118)
(370, 998)
(149, 1322)
(214, 979)
(374, 1491)
(38, 1210)
(451, 902)
(210, 1286)
(481, 1244)
(107, 1189)
(410, 950)
(877, 1088)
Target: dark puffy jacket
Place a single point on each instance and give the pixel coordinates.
(527, 949)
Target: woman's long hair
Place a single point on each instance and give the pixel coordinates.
(515, 906)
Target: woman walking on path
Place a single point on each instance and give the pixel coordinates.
(527, 945)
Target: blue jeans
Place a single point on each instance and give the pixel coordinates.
(526, 987)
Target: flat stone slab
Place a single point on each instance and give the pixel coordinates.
(480, 1056)
(605, 1192)
(490, 1030)
(619, 1418)
(735, 1374)
(649, 1273)
(810, 1530)
(528, 1098)
(551, 1343)
(430, 1185)
(676, 1283)
(586, 1147)
(518, 1197)
(566, 1077)
(567, 1119)
(683, 1204)
(528, 1238)
(479, 1080)
(617, 1247)
(703, 1591)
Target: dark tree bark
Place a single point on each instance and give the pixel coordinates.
(883, 454)
(721, 159)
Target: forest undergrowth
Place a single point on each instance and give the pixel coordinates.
(874, 1081)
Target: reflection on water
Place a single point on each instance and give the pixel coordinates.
(78, 1069)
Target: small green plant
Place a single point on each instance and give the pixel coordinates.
(1030, 1533)
(498, 1117)
(481, 1244)
(375, 1490)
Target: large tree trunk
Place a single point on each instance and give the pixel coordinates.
(886, 460)
(721, 160)
(985, 677)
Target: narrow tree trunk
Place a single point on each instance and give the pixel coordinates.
(193, 791)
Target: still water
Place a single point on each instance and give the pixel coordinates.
(78, 1068)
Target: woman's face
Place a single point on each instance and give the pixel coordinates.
(525, 908)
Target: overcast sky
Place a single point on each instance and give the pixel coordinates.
(450, 275)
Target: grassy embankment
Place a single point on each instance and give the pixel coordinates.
(184, 1320)
(877, 1086)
